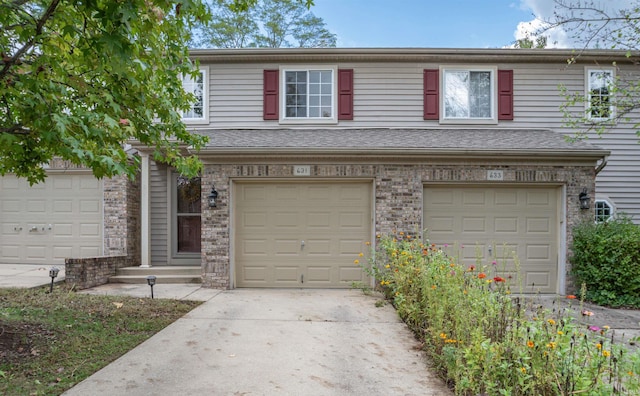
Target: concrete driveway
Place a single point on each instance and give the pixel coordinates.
(275, 342)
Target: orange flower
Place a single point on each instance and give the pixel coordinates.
(498, 279)
(471, 268)
(530, 344)
(482, 275)
(571, 297)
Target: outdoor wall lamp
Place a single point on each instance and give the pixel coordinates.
(585, 199)
(53, 273)
(212, 197)
(151, 280)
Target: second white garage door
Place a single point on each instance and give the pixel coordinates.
(300, 234)
(493, 223)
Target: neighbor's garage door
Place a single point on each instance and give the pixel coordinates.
(50, 221)
(495, 222)
(300, 234)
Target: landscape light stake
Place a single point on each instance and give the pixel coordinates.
(53, 273)
(151, 280)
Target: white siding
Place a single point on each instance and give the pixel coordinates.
(389, 95)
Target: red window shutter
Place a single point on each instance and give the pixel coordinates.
(345, 94)
(271, 90)
(505, 94)
(431, 94)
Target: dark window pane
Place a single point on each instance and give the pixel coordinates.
(188, 234)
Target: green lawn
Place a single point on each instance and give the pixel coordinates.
(50, 342)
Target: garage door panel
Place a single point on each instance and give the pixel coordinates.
(316, 273)
(505, 225)
(319, 220)
(66, 210)
(333, 220)
(539, 198)
(286, 247)
(10, 252)
(318, 247)
(350, 220)
(89, 206)
(537, 281)
(439, 224)
(537, 225)
(507, 219)
(474, 198)
(286, 274)
(474, 224)
(506, 198)
(36, 205)
(538, 252)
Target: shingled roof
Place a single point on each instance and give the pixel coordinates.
(443, 141)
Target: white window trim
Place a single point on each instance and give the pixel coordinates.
(608, 202)
(494, 96)
(334, 93)
(587, 91)
(205, 100)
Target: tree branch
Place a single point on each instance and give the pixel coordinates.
(29, 44)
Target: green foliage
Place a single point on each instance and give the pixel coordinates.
(606, 258)
(80, 79)
(484, 341)
(264, 23)
(528, 42)
(599, 25)
(50, 342)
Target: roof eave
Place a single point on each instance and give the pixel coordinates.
(440, 55)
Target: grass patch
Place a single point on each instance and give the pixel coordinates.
(50, 342)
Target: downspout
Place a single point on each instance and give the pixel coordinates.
(602, 165)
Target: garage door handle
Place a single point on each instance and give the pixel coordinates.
(490, 250)
(301, 245)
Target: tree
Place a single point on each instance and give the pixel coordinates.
(266, 23)
(80, 79)
(600, 25)
(528, 42)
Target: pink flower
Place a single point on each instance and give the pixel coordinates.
(594, 328)
(494, 262)
(586, 313)
(124, 121)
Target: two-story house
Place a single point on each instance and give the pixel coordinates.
(314, 152)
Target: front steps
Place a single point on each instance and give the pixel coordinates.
(163, 274)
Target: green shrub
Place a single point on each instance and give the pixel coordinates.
(606, 258)
(483, 341)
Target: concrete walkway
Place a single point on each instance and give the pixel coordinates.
(275, 342)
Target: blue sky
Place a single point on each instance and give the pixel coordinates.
(440, 23)
(423, 23)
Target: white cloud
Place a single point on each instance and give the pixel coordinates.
(543, 10)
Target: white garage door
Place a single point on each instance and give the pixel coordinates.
(300, 234)
(493, 224)
(48, 222)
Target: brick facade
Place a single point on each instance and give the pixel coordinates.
(398, 196)
(122, 218)
(84, 273)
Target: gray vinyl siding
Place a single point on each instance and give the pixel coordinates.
(389, 95)
(158, 188)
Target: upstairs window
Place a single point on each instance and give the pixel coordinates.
(309, 95)
(468, 94)
(599, 106)
(199, 112)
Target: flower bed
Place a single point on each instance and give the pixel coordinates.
(484, 341)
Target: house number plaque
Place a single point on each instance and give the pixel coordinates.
(495, 175)
(302, 170)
